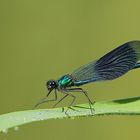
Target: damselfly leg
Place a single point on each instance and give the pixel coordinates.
(85, 93)
(44, 100)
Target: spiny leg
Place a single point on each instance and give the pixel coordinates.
(79, 90)
(69, 107)
(85, 93)
(44, 100)
(63, 99)
(90, 102)
(60, 101)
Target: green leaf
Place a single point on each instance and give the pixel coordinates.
(130, 106)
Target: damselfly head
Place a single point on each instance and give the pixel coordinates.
(51, 84)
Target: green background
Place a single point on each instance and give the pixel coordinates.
(45, 39)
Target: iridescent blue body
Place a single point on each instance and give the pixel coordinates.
(68, 81)
(109, 67)
(65, 81)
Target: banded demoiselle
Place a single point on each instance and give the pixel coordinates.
(109, 67)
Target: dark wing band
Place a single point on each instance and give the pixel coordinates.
(116, 63)
(111, 66)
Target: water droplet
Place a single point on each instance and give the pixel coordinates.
(41, 119)
(5, 131)
(16, 128)
(24, 119)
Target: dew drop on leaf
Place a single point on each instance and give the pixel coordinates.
(16, 128)
(5, 131)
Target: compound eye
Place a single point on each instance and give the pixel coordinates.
(51, 84)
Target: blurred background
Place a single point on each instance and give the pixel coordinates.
(42, 40)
